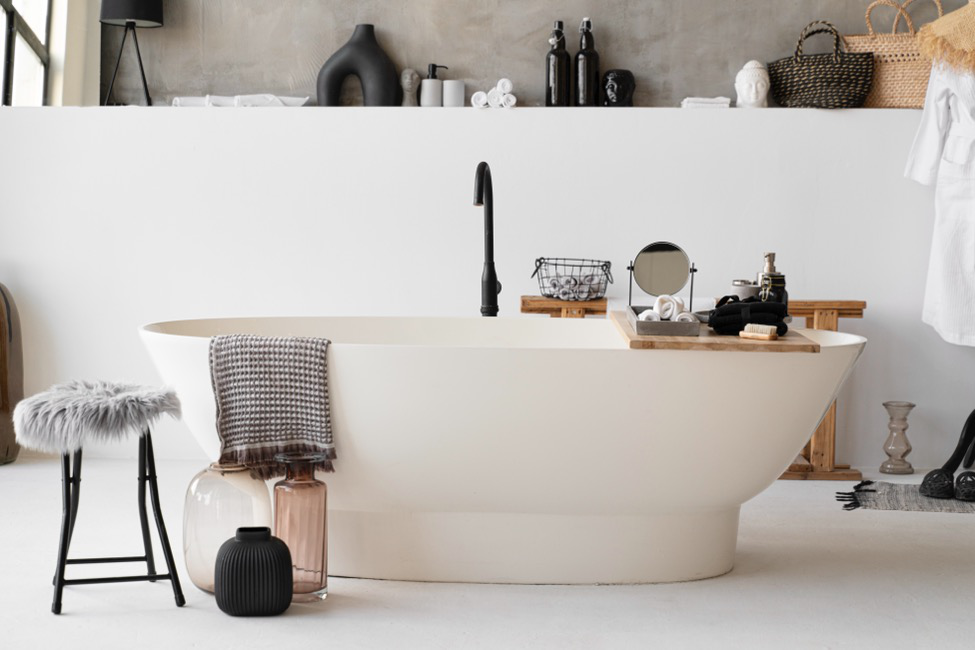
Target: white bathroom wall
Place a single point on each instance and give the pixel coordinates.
(116, 217)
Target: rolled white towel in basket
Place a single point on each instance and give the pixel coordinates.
(649, 314)
(668, 307)
(569, 281)
(686, 317)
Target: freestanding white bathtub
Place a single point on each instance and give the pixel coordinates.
(530, 450)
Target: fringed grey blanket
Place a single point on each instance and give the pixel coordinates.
(272, 397)
(898, 496)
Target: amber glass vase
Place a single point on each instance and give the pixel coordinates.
(300, 520)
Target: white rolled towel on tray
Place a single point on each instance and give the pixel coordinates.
(649, 314)
(686, 317)
(668, 307)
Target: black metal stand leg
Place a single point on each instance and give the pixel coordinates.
(145, 86)
(143, 515)
(157, 512)
(121, 49)
(66, 524)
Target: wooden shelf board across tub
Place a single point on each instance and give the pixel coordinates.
(708, 340)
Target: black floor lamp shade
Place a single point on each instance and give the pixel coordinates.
(144, 13)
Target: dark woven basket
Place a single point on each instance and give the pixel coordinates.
(837, 80)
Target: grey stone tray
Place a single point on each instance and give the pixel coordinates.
(659, 328)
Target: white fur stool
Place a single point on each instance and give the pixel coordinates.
(64, 418)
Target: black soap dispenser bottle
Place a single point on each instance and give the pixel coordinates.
(587, 68)
(557, 69)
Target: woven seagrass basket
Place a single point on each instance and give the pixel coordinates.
(836, 80)
(900, 73)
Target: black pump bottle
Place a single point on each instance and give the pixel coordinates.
(557, 70)
(587, 68)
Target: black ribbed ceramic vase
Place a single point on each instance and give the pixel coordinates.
(252, 576)
(363, 57)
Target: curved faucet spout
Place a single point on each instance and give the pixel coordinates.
(484, 195)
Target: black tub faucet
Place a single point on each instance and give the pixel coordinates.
(484, 195)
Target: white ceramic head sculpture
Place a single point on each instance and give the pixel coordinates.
(752, 84)
(409, 79)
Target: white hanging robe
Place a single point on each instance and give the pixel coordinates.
(944, 155)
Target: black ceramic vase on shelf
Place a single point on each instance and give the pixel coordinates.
(363, 57)
(11, 375)
(252, 576)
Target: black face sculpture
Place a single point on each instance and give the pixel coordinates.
(618, 87)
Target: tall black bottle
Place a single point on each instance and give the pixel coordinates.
(557, 70)
(586, 68)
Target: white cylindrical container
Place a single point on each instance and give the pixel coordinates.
(431, 92)
(453, 93)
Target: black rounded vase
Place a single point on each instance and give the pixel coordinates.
(252, 576)
(363, 57)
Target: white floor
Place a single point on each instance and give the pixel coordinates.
(808, 575)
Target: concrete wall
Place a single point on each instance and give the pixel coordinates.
(147, 215)
(675, 49)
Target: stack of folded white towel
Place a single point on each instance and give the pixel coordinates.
(238, 101)
(706, 102)
(668, 308)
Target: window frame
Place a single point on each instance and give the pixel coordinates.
(14, 25)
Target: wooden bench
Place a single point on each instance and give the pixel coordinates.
(818, 459)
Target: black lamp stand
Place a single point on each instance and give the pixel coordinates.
(129, 26)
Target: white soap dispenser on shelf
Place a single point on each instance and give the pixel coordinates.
(431, 88)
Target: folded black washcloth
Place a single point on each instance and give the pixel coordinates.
(731, 316)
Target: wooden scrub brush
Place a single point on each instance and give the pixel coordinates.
(759, 332)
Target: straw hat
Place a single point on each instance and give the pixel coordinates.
(951, 38)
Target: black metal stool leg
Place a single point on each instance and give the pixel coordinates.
(143, 515)
(66, 525)
(75, 492)
(157, 512)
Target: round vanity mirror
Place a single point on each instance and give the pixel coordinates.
(661, 268)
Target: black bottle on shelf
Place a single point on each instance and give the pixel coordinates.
(587, 68)
(557, 69)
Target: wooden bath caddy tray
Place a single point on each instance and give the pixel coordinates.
(708, 340)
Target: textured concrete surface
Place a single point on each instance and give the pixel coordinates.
(675, 49)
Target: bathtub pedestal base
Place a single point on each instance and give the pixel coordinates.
(532, 548)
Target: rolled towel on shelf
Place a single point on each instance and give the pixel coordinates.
(569, 281)
(686, 317)
(582, 292)
(509, 101)
(505, 86)
(567, 293)
(668, 307)
(649, 314)
(494, 98)
(479, 99)
(554, 285)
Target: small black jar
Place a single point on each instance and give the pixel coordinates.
(252, 576)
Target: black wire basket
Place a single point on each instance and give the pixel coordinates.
(569, 278)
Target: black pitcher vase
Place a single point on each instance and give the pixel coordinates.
(363, 57)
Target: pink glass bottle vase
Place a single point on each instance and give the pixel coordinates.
(300, 520)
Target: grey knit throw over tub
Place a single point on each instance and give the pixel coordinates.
(272, 397)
